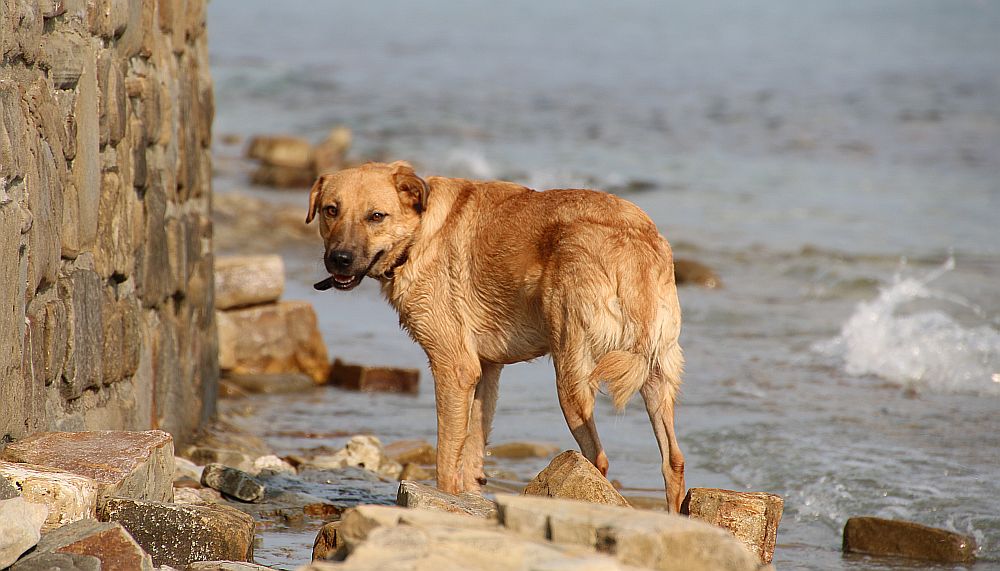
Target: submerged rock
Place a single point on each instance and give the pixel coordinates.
(571, 476)
(270, 383)
(232, 482)
(752, 517)
(690, 272)
(20, 528)
(374, 379)
(521, 450)
(417, 495)
(897, 538)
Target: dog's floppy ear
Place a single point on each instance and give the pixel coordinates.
(317, 189)
(412, 189)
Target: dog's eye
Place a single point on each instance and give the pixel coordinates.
(330, 210)
(377, 216)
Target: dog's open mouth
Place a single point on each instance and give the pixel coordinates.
(346, 282)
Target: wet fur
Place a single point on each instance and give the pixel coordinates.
(485, 274)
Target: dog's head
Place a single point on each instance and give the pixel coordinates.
(367, 217)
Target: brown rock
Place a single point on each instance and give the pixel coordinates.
(108, 542)
(267, 383)
(58, 561)
(138, 465)
(690, 272)
(232, 482)
(276, 338)
(326, 544)
(283, 177)
(281, 151)
(225, 566)
(413, 471)
(752, 517)
(521, 450)
(331, 153)
(415, 451)
(374, 379)
(417, 495)
(248, 280)
(20, 525)
(877, 536)
(571, 476)
(176, 535)
(69, 497)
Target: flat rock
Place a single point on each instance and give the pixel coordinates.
(374, 379)
(69, 497)
(282, 151)
(108, 542)
(59, 562)
(232, 482)
(634, 537)
(242, 281)
(407, 451)
(522, 450)
(283, 177)
(20, 528)
(177, 535)
(752, 517)
(136, 465)
(878, 536)
(691, 272)
(225, 566)
(417, 495)
(282, 337)
(271, 383)
(571, 476)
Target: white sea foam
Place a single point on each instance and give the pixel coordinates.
(470, 163)
(920, 349)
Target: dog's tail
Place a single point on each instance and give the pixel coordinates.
(623, 372)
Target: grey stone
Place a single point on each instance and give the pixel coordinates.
(178, 535)
(416, 495)
(108, 542)
(83, 368)
(58, 562)
(20, 528)
(84, 206)
(232, 482)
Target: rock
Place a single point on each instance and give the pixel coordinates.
(690, 272)
(374, 379)
(358, 522)
(326, 544)
(203, 455)
(232, 482)
(137, 465)
(281, 151)
(20, 528)
(634, 537)
(197, 496)
(521, 450)
(319, 493)
(108, 542)
(271, 383)
(571, 476)
(69, 497)
(248, 280)
(413, 471)
(184, 468)
(752, 517)
(877, 536)
(416, 495)
(177, 535)
(283, 177)
(275, 338)
(58, 561)
(331, 153)
(8, 490)
(225, 566)
(361, 451)
(415, 451)
(272, 463)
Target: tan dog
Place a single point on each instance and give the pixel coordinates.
(489, 273)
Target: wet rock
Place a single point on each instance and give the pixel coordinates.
(327, 543)
(361, 451)
(331, 153)
(415, 451)
(58, 561)
(137, 465)
(571, 476)
(877, 536)
(358, 522)
(271, 383)
(413, 471)
(281, 151)
(375, 379)
(204, 455)
(344, 488)
(417, 495)
(225, 566)
(633, 537)
(752, 517)
(20, 528)
(521, 450)
(69, 497)
(8, 490)
(277, 338)
(283, 177)
(232, 482)
(241, 281)
(690, 272)
(272, 463)
(108, 542)
(177, 535)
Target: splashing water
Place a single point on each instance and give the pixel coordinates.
(922, 350)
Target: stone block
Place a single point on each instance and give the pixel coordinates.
(416, 495)
(356, 523)
(45, 211)
(108, 542)
(274, 338)
(83, 368)
(282, 151)
(69, 497)
(232, 482)
(375, 379)
(58, 562)
(415, 451)
(114, 252)
(20, 528)
(137, 465)
(157, 279)
(80, 211)
(48, 337)
(178, 535)
(634, 537)
(571, 476)
(108, 18)
(122, 338)
(752, 517)
(225, 566)
(283, 177)
(522, 450)
(269, 383)
(248, 280)
(897, 538)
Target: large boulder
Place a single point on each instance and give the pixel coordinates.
(69, 497)
(417, 495)
(571, 476)
(897, 538)
(241, 281)
(20, 528)
(752, 517)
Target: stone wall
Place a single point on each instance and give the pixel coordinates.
(106, 317)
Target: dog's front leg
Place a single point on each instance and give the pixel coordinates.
(455, 379)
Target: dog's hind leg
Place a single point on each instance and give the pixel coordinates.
(660, 396)
(455, 379)
(480, 420)
(576, 397)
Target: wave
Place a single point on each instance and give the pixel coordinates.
(919, 349)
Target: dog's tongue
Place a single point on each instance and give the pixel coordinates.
(341, 279)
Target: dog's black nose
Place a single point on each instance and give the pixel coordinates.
(341, 258)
